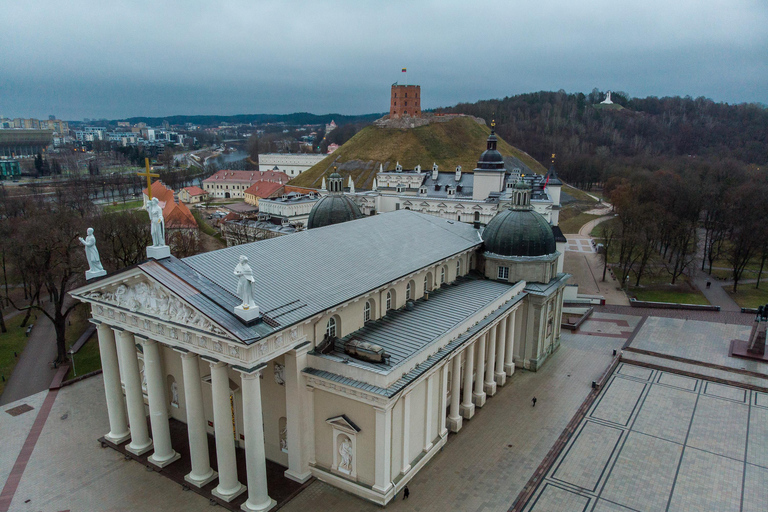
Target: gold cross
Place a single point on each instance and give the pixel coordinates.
(148, 175)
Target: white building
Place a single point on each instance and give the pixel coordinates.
(357, 401)
(291, 164)
(293, 208)
(465, 197)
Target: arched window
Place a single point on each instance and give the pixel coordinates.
(477, 216)
(408, 292)
(458, 268)
(442, 275)
(367, 312)
(330, 328)
(389, 300)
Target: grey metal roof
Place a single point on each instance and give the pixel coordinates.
(547, 288)
(519, 232)
(404, 333)
(446, 179)
(419, 370)
(300, 275)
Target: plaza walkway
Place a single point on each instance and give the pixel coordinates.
(483, 467)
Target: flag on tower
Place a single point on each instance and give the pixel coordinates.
(403, 70)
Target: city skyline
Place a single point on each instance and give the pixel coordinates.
(125, 60)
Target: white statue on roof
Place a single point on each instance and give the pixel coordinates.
(92, 255)
(157, 222)
(245, 283)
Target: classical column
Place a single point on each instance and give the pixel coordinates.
(454, 417)
(509, 351)
(229, 487)
(478, 395)
(255, 461)
(134, 398)
(118, 424)
(467, 406)
(158, 409)
(442, 431)
(201, 473)
(300, 425)
(383, 453)
(429, 413)
(311, 415)
(501, 350)
(406, 458)
(489, 386)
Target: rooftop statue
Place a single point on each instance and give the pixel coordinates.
(157, 222)
(92, 255)
(245, 283)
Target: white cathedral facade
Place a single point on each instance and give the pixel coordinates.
(386, 333)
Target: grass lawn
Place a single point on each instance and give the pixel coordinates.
(672, 294)
(597, 231)
(87, 359)
(128, 205)
(204, 226)
(747, 296)
(12, 341)
(579, 195)
(573, 224)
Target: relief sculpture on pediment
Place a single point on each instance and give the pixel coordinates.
(153, 299)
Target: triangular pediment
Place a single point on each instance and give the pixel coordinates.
(459, 206)
(477, 207)
(136, 292)
(343, 423)
(442, 205)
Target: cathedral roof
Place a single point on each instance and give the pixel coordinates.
(356, 257)
(333, 209)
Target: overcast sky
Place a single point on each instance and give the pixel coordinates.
(119, 59)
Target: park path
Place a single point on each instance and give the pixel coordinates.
(33, 372)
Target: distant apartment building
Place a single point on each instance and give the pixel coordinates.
(91, 133)
(53, 124)
(291, 164)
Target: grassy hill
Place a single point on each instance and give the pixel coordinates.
(456, 142)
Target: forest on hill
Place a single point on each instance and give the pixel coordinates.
(592, 142)
(686, 177)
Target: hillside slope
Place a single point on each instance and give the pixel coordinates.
(459, 141)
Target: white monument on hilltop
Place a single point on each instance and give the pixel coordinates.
(158, 249)
(607, 100)
(92, 255)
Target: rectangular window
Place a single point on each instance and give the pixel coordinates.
(503, 272)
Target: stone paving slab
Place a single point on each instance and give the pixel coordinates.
(690, 445)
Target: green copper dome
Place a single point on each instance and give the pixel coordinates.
(521, 232)
(333, 209)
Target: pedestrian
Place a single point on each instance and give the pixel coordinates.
(406, 492)
(534, 401)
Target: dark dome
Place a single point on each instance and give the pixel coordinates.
(333, 209)
(519, 233)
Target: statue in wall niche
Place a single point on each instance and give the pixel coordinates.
(279, 373)
(91, 252)
(284, 439)
(345, 452)
(245, 283)
(174, 394)
(157, 222)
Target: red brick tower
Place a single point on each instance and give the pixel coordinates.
(405, 101)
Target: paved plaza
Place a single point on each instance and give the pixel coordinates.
(659, 441)
(483, 467)
(652, 440)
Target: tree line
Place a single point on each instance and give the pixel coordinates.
(585, 134)
(668, 218)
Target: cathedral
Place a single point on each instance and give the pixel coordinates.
(351, 365)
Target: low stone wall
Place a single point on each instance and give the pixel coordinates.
(425, 119)
(573, 326)
(671, 305)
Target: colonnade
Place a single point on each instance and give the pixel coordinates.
(119, 356)
(487, 363)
